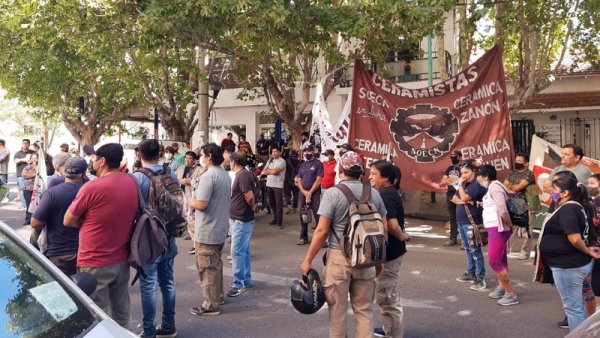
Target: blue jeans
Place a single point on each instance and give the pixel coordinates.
(569, 283)
(161, 270)
(475, 263)
(21, 185)
(240, 252)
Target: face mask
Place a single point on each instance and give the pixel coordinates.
(592, 192)
(168, 156)
(91, 168)
(485, 184)
(555, 196)
(201, 162)
(455, 160)
(308, 157)
(519, 166)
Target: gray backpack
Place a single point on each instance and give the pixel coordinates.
(149, 238)
(363, 241)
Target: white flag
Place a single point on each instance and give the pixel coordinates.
(324, 134)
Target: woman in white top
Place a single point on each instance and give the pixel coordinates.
(499, 227)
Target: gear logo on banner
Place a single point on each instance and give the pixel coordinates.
(424, 132)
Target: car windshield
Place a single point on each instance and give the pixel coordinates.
(32, 302)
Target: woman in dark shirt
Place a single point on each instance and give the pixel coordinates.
(562, 245)
(594, 194)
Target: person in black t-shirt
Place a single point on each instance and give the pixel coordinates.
(562, 246)
(594, 194)
(450, 179)
(383, 176)
(63, 243)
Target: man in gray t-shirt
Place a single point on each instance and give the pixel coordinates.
(339, 274)
(211, 202)
(275, 172)
(570, 160)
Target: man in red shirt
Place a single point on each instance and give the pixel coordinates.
(104, 210)
(329, 164)
(228, 142)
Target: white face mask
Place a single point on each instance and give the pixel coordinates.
(201, 161)
(168, 156)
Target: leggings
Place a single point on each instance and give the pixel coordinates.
(497, 249)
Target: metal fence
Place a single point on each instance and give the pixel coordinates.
(522, 132)
(584, 132)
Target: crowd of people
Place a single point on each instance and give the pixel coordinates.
(82, 236)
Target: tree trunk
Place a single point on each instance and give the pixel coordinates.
(441, 56)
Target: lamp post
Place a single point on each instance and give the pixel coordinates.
(204, 108)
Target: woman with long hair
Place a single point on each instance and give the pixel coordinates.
(562, 245)
(496, 220)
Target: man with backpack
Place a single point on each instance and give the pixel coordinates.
(161, 269)
(341, 273)
(104, 210)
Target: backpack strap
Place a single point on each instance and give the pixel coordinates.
(366, 193)
(141, 203)
(147, 172)
(348, 193)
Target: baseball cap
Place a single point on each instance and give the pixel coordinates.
(351, 159)
(75, 166)
(346, 146)
(309, 147)
(456, 153)
(328, 152)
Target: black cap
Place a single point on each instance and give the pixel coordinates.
(328, 152)
(456, 153)
(309, 147)
(112, 152)
(346, 146)
(75, 166)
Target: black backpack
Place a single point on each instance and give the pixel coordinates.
(149, 238)
(167, 199)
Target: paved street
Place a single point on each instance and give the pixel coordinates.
(435, 305)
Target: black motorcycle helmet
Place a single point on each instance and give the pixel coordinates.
(307, 295)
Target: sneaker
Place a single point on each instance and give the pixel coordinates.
(508, 299)
(564, 323)
(200, 311)
(280, 226)
(523, 255)
(479, 285)
(143, 335)
(497, 293)
(192, 251)
(451, 242)
(161, 332)
(379, 332)
(466, 278)
(234, 292)
(302, 241)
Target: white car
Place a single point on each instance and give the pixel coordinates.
(38, 300)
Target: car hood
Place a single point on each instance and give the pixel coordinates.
(107, 329)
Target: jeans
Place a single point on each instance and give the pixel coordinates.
(161, 270)
(451, 207)
(569, 283)
(240, 252)
(21, 185)
(27, 195)
(475, 263)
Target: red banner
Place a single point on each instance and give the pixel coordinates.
(419, 128)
